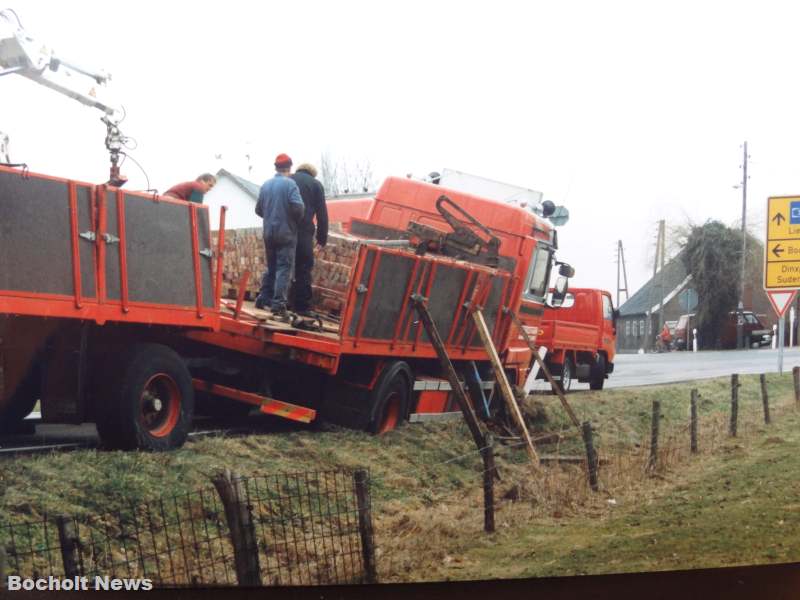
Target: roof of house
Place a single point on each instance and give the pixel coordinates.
(670, 281)
(250, 188)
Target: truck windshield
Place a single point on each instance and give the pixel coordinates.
(540, 271)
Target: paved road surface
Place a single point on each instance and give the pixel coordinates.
(643, 369)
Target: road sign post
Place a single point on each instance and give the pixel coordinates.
(782, 258)
(780, 345)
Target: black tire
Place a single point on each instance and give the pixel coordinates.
(598, 375)
(389, 399)
(149, 401)
(21, 404)
(567, 375)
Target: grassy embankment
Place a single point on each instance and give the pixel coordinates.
(734, 503)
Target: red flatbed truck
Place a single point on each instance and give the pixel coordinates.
(110, 311)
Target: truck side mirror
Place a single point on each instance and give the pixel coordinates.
(565, 270)
(560, 291)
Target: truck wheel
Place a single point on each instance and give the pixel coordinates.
(390, 397)
(598, 378)
(567, 373)
(151, 404)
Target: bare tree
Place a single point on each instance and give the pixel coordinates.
(339, 177)
(4, 153)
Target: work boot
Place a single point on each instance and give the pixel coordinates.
(260, 303)
(281, 314)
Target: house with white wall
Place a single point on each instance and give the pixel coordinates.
(239, 195)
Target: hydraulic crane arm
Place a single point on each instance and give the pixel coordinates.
(24, 55)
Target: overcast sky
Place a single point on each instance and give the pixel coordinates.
(625, 112)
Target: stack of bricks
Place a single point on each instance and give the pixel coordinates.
(244, 251)
(333, 267)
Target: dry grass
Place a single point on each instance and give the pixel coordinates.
(426, 479)
(438, 541)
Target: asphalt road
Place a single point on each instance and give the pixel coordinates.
(643, 369)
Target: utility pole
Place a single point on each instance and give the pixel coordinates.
(740, 312)
(621, 263)
(657, 260)
(663, 243)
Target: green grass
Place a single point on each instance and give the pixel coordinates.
(735, 503)
(739, 507)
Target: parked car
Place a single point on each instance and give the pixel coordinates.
(756, 334)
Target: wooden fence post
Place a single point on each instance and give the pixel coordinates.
(734, 405)
(230, 488)
(488, 484)
(591, 455)
(652, 462)
(796, 377)
(765, 398)
(68, 540)
(693, 423)
(361, 479)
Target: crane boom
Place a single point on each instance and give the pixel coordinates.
(22, 54)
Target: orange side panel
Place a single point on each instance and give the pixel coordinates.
(432, 401)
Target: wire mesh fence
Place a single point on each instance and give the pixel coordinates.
(307, 529)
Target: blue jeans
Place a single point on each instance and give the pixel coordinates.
(275, 282)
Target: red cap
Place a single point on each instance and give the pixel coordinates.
(282, 161)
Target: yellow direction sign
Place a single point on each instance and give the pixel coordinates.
(782, 252)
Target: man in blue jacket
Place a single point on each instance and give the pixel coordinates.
(281, 207)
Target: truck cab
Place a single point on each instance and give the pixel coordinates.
(580, 338)
(527, 243)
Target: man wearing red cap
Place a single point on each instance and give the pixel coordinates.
(281, 207)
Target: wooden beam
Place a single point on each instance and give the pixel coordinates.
(505, 387)
(449, 370)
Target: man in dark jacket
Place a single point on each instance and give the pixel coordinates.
(280, 205)
(313, 195)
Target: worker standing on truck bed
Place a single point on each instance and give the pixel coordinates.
(281, 206)
(193, 191)
(313, 195)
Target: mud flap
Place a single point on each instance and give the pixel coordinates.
(64, 377)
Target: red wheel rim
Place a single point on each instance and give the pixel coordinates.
(160, 405)
(392, 413)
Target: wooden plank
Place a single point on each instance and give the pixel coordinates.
(505, 387)
(433, 417)
(447, 367)
(565, 459)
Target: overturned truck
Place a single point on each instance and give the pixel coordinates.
(111, 311)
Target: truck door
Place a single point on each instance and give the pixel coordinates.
(609, 328)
